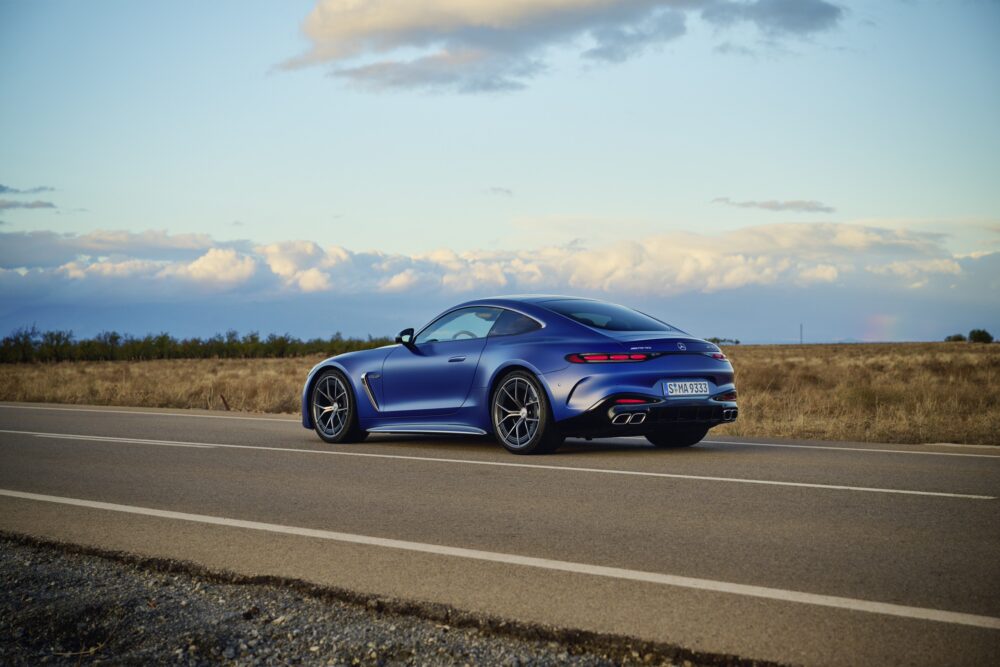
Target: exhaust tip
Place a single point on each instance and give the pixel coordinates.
(637, 418)
(619, 420)
(729, 414)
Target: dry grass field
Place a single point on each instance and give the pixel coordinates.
(905, 393)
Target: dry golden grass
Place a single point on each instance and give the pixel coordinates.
(891, 392)
(247, 385)
(913, 392)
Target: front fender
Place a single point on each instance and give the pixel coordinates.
(307, 421)
(353, 365)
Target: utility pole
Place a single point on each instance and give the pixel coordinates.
(800, 334)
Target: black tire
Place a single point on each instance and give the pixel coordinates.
(333, 390)
(676, 438)
(522, 388)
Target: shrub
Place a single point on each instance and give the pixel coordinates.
(980, 336)
(723, 341)
(955, 338)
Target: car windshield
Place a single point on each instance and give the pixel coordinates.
(607, 316)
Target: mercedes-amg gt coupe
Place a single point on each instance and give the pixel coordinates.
(531, 370)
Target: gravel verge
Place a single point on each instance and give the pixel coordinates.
(63, 604)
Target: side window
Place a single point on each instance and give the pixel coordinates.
(461, 324)
(510, 324)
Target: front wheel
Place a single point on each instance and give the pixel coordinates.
(334, 409)
(522, 420)
(673, 439)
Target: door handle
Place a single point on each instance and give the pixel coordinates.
(456, 359)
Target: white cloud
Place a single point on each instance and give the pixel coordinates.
(919, 267)
(499, 44)
(303, 263)
(313, 280)
(400, 282)
(111, 269)
(50, 249)
(217, 267)
(821, 273)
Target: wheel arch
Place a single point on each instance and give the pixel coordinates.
(307, 420)
(502, 372)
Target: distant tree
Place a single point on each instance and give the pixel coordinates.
(107, 344)
(27, 345)
(955, 338)
(980, 336)
(56, 346)
(21, 345)
(723, 341)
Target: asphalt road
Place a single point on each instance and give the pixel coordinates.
(801, 552)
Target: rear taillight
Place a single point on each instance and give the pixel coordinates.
(631, 401)
(728, 396)
(601, 358)
(719, 356)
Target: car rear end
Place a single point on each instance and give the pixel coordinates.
(631, 382)
(655, 384)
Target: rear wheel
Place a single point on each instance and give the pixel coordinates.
(522, 419)
(675, 438)
(334, 409)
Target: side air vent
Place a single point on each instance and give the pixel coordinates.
(368, 389)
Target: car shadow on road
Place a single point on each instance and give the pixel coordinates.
(576, 447)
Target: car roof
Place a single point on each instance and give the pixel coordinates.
(535, 298)
(531, 304)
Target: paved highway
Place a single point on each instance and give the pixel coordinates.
(801, 552)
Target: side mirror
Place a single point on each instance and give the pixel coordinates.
(405, 337)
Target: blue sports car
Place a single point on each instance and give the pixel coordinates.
(531, 370)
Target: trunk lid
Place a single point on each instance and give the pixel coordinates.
(667, 342)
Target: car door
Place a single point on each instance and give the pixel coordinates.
(433, 375)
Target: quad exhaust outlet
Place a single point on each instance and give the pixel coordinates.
(629, 418)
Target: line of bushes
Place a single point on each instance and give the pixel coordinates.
(28, 345)
(975, 336)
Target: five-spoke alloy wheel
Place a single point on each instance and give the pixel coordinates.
(522, 420)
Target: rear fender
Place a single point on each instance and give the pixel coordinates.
(514, 364)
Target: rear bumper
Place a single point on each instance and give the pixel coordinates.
(608, 419)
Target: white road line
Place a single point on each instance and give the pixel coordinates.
(714, 442)
(137, 441)
(856, 449)
(149, 412)
(869, 606)
(534, 466)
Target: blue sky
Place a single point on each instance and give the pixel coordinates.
(734, 166)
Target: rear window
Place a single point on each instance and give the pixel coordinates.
(607, 316)
(510, 324)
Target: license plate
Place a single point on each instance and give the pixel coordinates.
(685, 388)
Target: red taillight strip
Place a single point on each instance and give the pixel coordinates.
(603, 358)
(630, 401)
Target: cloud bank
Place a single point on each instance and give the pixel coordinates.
(757, 283)
(116, 263)
(497, 45)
